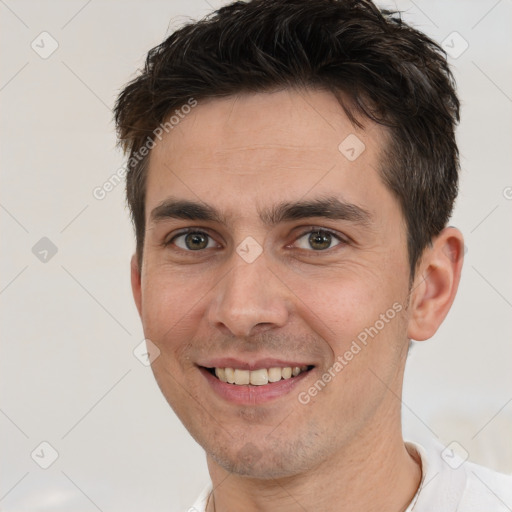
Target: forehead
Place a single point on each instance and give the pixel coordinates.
(266, 147)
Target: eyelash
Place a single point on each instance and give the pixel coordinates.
(312, 229)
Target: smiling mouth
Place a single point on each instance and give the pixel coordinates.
(260, 377)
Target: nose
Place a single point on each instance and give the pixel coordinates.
(250, 299)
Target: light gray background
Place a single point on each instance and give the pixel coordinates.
(68, 373)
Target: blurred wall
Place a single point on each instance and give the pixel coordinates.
(68, 374)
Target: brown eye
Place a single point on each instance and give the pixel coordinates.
(318, 240)
(193, 241)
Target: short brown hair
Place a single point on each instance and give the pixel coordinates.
(392, 74)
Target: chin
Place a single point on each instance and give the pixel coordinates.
(269, 462)
(261, 469)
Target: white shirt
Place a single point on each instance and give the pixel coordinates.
(448, 484)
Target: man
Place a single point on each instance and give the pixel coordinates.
(292, 168)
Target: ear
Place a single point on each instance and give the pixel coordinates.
(435, 284)
(136, 283)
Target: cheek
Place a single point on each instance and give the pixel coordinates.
(342, 305)
(364, 330)
(362, 323)
(171, 309)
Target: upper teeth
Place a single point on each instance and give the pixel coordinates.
(257, 377)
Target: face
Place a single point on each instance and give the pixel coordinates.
(272, 245)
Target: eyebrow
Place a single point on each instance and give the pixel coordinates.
(326, 207)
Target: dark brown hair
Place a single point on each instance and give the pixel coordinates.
(391, 73)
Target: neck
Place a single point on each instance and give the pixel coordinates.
(375, 473)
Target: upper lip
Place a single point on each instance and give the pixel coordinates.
(254, 364)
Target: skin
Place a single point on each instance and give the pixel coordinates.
(344, 449)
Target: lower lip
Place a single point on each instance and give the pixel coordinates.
(253, 395)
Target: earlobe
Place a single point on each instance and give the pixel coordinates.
(136, 283)
(435, 284)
